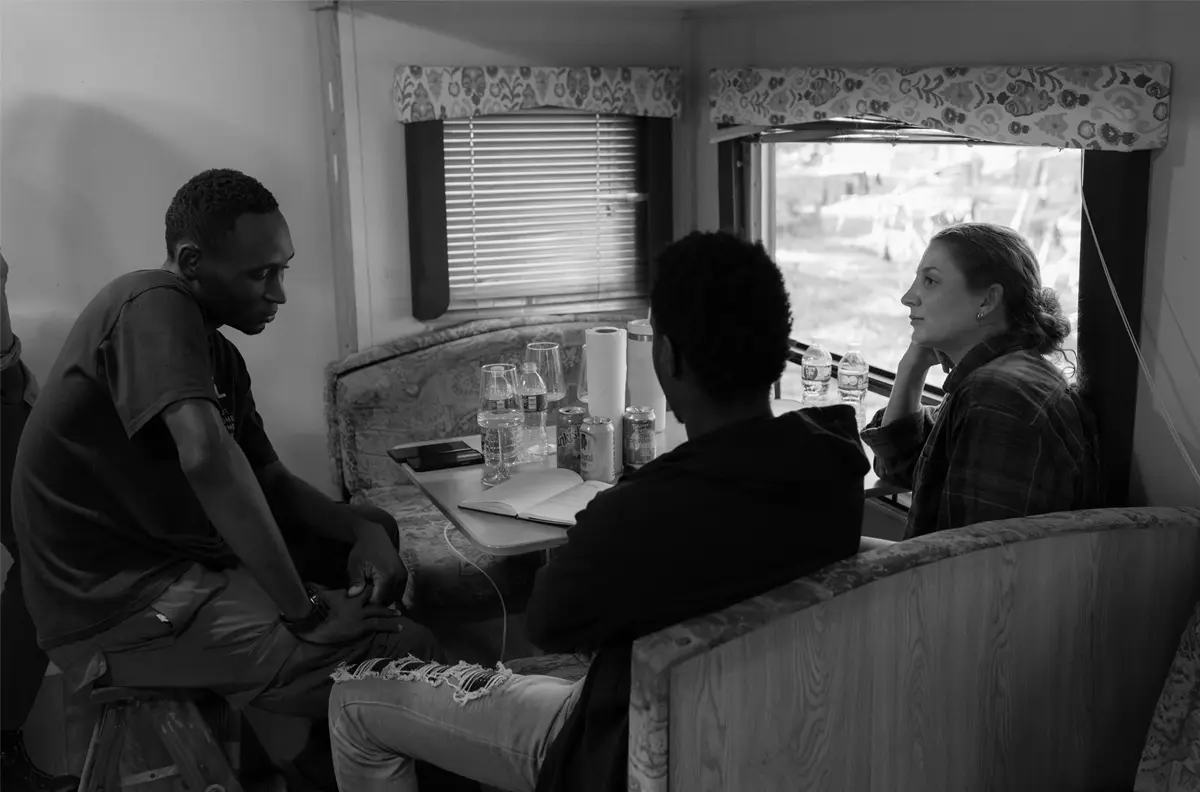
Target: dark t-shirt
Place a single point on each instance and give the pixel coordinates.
(104, 517)
(723, 517)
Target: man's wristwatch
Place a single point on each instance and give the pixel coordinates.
(316, 614)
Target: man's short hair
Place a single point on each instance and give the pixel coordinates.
(723, 303)
(205, 209)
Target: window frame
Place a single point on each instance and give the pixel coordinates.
(1116, 189)
(428, 253)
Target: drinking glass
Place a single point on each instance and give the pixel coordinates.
(583, 385)
(497, 387)
(500, 424)
(548, 357)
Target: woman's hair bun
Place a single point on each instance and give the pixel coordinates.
(1052, 324)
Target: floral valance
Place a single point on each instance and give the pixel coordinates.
(425, 93)
(1117, 107)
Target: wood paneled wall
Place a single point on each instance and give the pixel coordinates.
(1030, 666)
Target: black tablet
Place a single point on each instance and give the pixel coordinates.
(436, 456)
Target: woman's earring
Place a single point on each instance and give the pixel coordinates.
(979, 316)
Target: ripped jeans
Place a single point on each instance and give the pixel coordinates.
(489, 725)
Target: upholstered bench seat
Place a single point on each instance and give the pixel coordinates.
(426, 387)
(441, 585)
(571, 667)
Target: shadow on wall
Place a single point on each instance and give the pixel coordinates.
(1171, 385)
(1191, 426)
(85, 192)
(83, 203)
(1168, 337)
(86, 185)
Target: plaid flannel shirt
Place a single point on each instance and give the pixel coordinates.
(1010, 439)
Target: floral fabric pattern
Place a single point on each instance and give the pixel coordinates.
(1112, 107)
(427, 93)
(426, 387)
(1171, 757)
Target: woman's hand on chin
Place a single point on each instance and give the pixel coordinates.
(918, 359)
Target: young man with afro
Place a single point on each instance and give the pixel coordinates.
(747, 504)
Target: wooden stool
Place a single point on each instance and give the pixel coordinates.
(161, 735)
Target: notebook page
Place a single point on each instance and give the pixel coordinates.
(562, 508)
(523, 491)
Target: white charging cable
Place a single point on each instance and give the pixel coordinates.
(503, 607)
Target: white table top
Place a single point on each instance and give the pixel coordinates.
(492, 533)
(499, 535)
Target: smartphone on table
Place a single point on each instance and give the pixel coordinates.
(436, 456)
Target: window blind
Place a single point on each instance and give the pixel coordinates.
(542, 209)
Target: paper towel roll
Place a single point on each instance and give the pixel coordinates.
(606, 379)
(641, 387)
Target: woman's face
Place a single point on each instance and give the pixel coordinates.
(941, 309)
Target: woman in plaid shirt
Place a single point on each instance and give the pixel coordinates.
(1012, 437)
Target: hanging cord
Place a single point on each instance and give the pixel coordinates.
(1187, 459)
(503, 607)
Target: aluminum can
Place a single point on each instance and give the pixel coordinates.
(570, 419)
(597, 450)
(638, 440)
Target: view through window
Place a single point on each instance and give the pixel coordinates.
(852, 220)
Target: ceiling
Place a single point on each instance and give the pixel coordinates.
(646, 3)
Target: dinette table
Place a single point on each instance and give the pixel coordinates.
(499, 535)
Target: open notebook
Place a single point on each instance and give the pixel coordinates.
(552, 496)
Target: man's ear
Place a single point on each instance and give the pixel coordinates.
(671, 361)
(187, 258)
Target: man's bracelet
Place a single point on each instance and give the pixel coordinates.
(316, 614)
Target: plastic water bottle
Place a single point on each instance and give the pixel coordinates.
(853, 376)
(853, 379)
(531, 393)
(500, 435)
(816, 369)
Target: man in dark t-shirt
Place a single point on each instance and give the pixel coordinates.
(163, 543)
